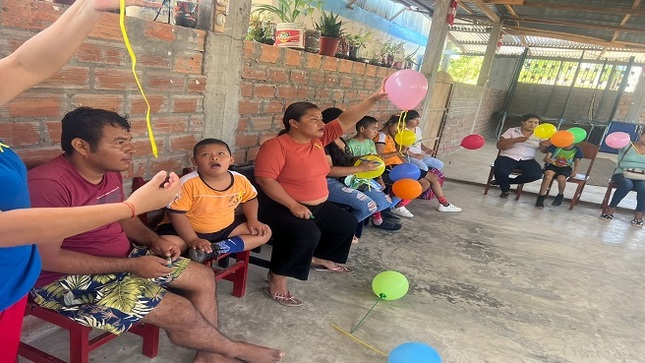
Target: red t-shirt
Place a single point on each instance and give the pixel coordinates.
(301, 169)
(57, 183)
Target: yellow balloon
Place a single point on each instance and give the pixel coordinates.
(405, 137)
(544, 131)
(372, 173)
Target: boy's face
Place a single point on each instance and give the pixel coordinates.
(392, 129)
(212, 159)
(370, 131)
(413, 122)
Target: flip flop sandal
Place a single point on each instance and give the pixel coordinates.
(355, 240)
(284, 299)
(338, 269)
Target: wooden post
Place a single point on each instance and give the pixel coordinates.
(491, 48)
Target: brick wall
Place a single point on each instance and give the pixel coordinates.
(273, 78)
(169, 67)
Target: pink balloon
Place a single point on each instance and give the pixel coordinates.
(473, 142)
(617, 140)
(406, 88)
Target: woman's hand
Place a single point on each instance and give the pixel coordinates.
(368, 165)
(301, 211)
(380, 93)
(157, 193)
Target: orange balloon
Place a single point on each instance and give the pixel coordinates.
(562, 139)
(407, 188)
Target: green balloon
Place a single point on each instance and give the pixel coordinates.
(390, 285)
(579, 134)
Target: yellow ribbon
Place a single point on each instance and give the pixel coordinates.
(133, 57)
(358, 340)
(3, 146)
(400, 126)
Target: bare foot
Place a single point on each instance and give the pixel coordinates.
(206, 357)
(320, 262)
(252, 353)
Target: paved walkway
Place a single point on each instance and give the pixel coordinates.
(473, 166)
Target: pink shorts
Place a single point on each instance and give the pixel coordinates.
(10, 326)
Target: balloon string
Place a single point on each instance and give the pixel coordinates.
(133, 57)
(368, 313)
(358, 340)
(400, 126)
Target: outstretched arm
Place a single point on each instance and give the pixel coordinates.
(45, 53)
(355, 113)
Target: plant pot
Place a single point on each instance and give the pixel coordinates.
(290, 35)
(312, 41)
(353, 53)
(328, 46)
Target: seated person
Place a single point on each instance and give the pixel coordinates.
(365, 202)
(97, 278)
(419, 154)
(559, 163)
(394, 155)
(204, 215)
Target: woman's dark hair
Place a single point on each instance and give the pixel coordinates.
(87, 123)
(294, 112)
(412, 114)
(330, 114)
(365, 122)
(530, 116)
(209, 141)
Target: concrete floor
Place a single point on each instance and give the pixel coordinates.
(500, 282)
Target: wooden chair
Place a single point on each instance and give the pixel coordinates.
(491, 177)
(236, 273)
(589, 151)
(605, 201)
(80, 343)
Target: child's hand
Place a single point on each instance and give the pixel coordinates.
(381, 183)
(200, 244)
(369, 165)
(258, 228)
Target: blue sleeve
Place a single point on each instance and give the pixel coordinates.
(579, 154)
(551, 149)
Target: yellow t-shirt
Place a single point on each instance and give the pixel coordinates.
(207, 209)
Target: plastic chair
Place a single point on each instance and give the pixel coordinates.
(589, 151)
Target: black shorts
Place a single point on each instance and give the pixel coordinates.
(559, 170)
(168, 229)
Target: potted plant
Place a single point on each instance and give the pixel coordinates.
(261, 29)
(388, 52)
(331, 30)
(355, 43)
(289, 33)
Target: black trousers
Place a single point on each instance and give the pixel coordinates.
(295, 241)
(531, 171)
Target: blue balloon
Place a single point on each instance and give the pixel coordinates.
(405, 171)
(413, 352)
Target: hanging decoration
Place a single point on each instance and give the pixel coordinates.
(452, 13)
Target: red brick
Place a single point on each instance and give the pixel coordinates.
(137, 105)
(89, 53)
(346, 82)
(243, 124)
(196, 84)
(298, 77)
(196, 123)
(269, 54)
(20, 133)
(249, 50)
(322, 93)
(247, 107)
(183, 143)
(27, 14)
(252, 153)
(264, 90)
(197, 40)
(142, 146)
(242, 140)
(372, 83)
(331, 81)
(160, 125)
(261, 123)
(313, 60)
(337, 95)
(107, 27)
(316, 79)
(172, 163)
(54, 129)
(239, 156)
(151, 60)
(288, 92)
(306, 93)
(164, 82)
(105, 101)
(277, 75)
(36, 105)
(114, 79)
(189, 63)
(246, 89)
(159, 31)
(345, 66)
(36, 156)
(330, 64)
(116, 56)
(370, 70)
(382, 72)
(69, 78)
(274, 107)
(292, 57)
(254, 73)
(359, 68)
(185, 104)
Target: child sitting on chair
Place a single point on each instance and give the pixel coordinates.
(204, 216)
(561, 163)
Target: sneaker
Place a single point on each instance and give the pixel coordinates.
(557, 201)
(494, 183)
(540, 201)
(387, 214)
(402, 212)
(389, 225)
(504, 195)
(606, 217)
(638, 223)
(450, 208)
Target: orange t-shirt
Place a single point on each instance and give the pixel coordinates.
(390, 146)
(301, 169)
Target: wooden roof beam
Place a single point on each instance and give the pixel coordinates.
(490, 14)
(625, 18)
(565, 36)
(586, 8)
(466, 8)
(575, 25)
